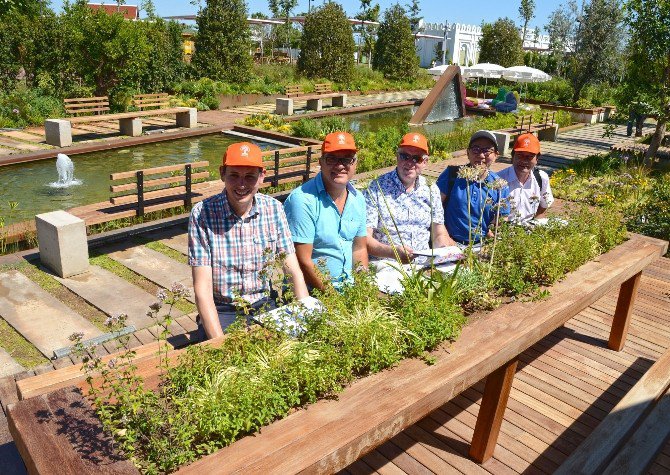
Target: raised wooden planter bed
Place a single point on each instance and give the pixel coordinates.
(56, 432)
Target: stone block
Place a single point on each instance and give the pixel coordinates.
(58, 132)
(503, 139)
(284, 106)
(131, 126)
(188, 119)
(315, 104)
(548, 134)
(340, 101)
(62, 243)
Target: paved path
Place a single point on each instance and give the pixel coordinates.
(156, 267)
(352, 101)
(43, 320)
(114, 295)
(8, 365)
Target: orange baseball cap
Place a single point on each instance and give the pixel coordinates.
(336, 141)
(414, 140)
(527, 143)
(243, 154)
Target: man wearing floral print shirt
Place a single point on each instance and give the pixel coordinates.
(402, 210)
(232, 237)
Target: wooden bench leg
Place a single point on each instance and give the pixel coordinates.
(623, 312)
(58, 132)
(491, 412)
(315, 104)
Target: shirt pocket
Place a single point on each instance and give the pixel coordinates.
(348, 229)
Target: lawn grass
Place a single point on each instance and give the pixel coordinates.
(163, 249)
(18, 347)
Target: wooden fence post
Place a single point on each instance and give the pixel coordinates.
(275, 178)
(140, 193)
(187, 198)
(308, 165)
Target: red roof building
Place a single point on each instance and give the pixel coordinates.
(130, 12)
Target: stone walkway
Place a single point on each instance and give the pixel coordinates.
(352, 101)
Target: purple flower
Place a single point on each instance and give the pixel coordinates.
(15, 111)
(162, 295)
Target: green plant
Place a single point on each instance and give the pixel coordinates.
(394, 51)
(327, 44)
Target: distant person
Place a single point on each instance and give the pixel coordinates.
(470, 205)
(403, 211)
(327, 217)
(529, 189)
(232, 237)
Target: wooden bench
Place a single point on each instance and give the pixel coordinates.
(630, 437)
(290, 165)
(154, 189)
(332, 434)
(58, 132)
(86, 105)
(545, 129)
(284, 105)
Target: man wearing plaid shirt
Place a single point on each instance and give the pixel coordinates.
(232, 237)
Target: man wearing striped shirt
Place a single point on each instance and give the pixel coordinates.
(232, 238)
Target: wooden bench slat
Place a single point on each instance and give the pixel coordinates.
(268, 153)
(604, 442)
(86, 99)
(157, 170)
(163, 193)
(156, 182)
(643, 447)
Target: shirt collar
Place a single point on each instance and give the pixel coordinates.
(228, 210)
(420, 180)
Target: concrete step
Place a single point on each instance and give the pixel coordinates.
(156, 267)
(43, 320)
(114, 295)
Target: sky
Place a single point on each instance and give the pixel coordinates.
(434, 11)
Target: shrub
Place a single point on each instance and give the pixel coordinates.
(394, 52)
(327, 44)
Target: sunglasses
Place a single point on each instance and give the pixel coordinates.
(482, 151)
(332, 161)
(417, 158)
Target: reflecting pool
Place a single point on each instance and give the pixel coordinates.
(35, 185)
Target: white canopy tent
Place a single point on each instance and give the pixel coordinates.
(483, 70)
(525, 74)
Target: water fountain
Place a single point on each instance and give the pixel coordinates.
(65, 169)
(445, 101)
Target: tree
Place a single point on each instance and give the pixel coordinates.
(367, 32)
(527, 13)
(598, 41)
(648, 70)
(283, 8)
(500, 43)
(223, 41)
(395, 54)
(415, 17)
(561, 30)
(327, 45)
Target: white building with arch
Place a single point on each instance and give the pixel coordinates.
(462, 43)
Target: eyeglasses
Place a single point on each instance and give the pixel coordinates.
(332, 161)
(482, 151)
(417, 158)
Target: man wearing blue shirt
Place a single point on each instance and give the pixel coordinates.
(474, 196)
(326, 216)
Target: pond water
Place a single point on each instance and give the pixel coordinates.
(35, 186)
(398, 117)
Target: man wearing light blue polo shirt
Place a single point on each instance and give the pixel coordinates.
(326, 216)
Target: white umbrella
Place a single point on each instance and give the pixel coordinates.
(525, 74)
(486, 71)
